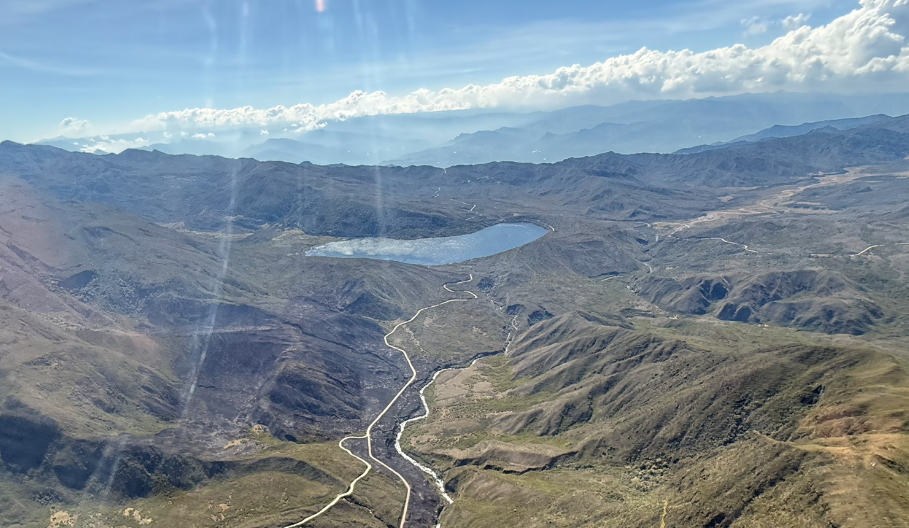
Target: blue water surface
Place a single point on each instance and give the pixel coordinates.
(435, 251)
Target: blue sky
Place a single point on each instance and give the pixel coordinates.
(110, 62)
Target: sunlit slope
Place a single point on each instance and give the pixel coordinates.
(588, 424)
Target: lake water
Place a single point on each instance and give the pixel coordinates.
(435, 251)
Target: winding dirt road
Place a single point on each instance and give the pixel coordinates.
(368, 434)
(869, 248)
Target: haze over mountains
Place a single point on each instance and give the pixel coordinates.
(445, 139)
(649, 127)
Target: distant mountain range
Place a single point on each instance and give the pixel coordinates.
(772, 161)
(782, 131)
(656, 127)
(445, 139)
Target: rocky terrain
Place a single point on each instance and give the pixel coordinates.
(713, 338)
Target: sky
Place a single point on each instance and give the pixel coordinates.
(91, 67)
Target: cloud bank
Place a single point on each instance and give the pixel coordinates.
(105, 144)
(865, 49)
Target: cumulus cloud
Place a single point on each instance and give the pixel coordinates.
(73, 125)
(862, 49)
(795, 21)
(209, 135)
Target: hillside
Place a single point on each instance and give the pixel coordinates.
(714, 338)
(716, 433)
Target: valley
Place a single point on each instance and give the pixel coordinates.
(715, 338)
(401, 264)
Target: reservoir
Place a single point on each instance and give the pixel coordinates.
(435, 251)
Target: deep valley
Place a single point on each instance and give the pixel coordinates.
(713, 338)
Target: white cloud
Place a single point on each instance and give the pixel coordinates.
(73, 125)
(795, 21)
(755, 26)
(263, 132)
(202, 136)
(864, 49)
(104, 144)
